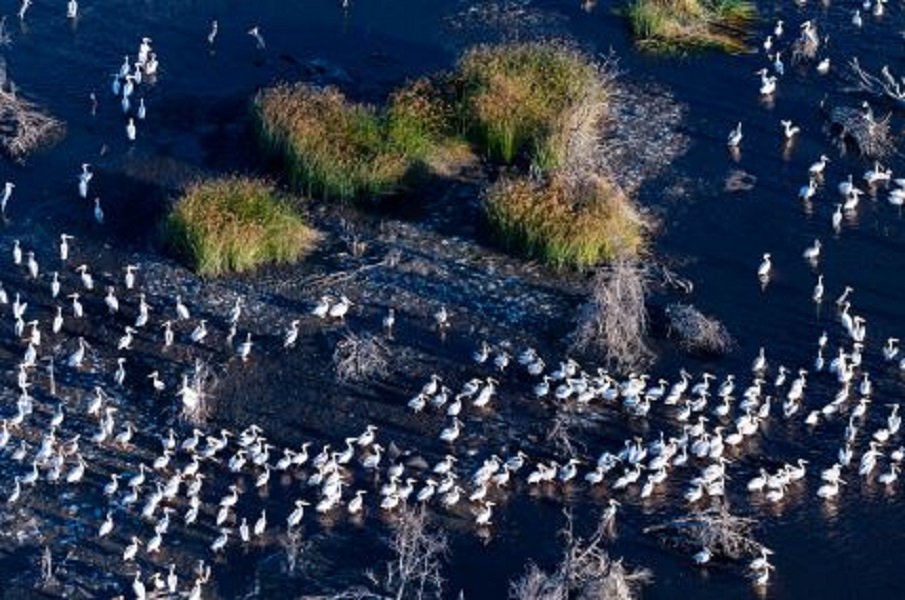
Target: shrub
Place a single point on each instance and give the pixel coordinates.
(564, 222)
(418, 119)
(234, 224)
(678, 24)
(522, 98)
(330, 146)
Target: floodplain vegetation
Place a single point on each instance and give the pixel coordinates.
(235, 224)
(527, 108)
(678, 25)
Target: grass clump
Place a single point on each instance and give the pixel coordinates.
(525, 97)
(331, 147)
(234, 224)
(671, 25)
(563, 221)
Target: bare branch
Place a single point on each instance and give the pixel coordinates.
(585, 571)
(23, 127)
(722, 533)
(415, 571)
(697, 332)
(614, 321)
(360, 358)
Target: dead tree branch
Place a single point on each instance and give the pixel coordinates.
(24, 127)
(415, 571)
(722, 533)
(585, 571)
(871, 136)
(360, 358)
(885, 86)
(614, 321)
(697, 332)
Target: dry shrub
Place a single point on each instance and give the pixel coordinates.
(415, 571)
(528, 98)
(614, 321)
(361, 358)
(563, 221)
(722, 533)
(585, 572)
(235, 224)
(331, 147)
(24, 127)
(698, 332)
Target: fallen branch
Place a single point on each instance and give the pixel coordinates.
(23, 127)
(585, 571)
(885, 86)
(725, 535)
(872, 136)
(360, 357)
(697, 332)
(614, 321)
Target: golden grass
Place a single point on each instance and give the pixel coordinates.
(521, 98)
(331, 147)
(234, 224)
(565, 223)
(670, 25)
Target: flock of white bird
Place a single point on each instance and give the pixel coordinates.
(709, 424)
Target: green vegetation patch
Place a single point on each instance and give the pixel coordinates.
(670, 25)
(527, 97)
(565, 223)
(331, 147)
(235, 224)
(334, 148)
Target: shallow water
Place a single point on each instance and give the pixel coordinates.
(196, 125)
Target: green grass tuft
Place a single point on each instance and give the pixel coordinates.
(673, 25)
(235, 224)
(525, 97)
(331, 147)
(565, 224)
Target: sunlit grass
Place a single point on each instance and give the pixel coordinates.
(331, 148)
(523, 98)
(565, 223)
(235, 224)
(671, 25)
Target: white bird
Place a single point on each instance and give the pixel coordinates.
(182, 311)
(291, 334)
(7, 193)
(763, 271)
(213, 33)
(808, 191)
(789, 130)
(200, 331)
(812, 252)
(340, 309)
(98, 211)
(817, 168)
(259, 39)
(244, 349)
(817, 296)
(735, 136)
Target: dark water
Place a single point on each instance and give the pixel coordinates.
(195, 125)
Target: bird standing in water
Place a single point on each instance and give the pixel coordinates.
(259, 39)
